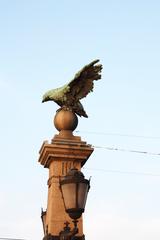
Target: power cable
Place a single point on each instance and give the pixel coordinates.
(11, 239)
(123, 172)
(126, 150)
(119, 134)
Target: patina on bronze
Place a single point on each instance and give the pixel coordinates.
(68, 96)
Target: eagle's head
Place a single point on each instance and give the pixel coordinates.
(45, 98)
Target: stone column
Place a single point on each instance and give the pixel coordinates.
(65, 151)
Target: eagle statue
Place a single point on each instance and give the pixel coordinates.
(68, 96)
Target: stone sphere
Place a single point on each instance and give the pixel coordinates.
(65, 120)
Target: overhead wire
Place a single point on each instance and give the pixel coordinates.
(11, 238)
(119, 134)
(123, 149)
(123, 172)
(126, 150)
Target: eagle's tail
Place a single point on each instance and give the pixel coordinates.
(79, 110)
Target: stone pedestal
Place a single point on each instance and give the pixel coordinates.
(63, 153)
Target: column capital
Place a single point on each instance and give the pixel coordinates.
(72, 149)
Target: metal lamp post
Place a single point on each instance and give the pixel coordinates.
(74, 188)
(43, 217)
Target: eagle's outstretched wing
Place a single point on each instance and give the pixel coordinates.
(69, 95)
(82, 83)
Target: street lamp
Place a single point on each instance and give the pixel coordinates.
(43, 217)
(74, 188)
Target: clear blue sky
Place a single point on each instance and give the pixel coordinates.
(42, 45)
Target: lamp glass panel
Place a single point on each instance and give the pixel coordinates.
(69, 195)
(82, 195)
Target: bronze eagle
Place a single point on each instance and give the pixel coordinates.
(68, 96)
